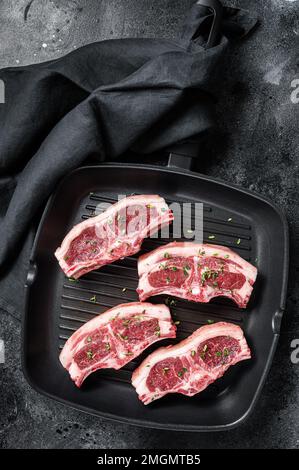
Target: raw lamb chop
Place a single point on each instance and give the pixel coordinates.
(191, 365)
(115, 337)
(114, 234)
(196, 272)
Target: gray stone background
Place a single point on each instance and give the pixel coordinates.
(257, 148)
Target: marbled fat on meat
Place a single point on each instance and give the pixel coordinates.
(196, 272)
(115, 337)
(191, 365)
(114, 234)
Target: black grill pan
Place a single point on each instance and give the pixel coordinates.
(56, 307)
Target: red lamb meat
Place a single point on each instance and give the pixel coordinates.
(196, 272)
(191, 365)
(114, 234)
(114, 338)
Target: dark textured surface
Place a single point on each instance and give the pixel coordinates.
(257, 148)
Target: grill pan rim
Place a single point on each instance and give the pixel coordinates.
(148, 423)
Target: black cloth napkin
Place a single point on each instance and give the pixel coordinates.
(93, 105)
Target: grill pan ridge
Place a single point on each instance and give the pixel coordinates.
(56, 306)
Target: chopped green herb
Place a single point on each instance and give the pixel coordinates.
(210, 322)
(174, 268)
(211, 237)
(238, 241)
(89, 339)
(154, 397)
(126, 322)
(226, 256)
(149, 206)
(165, 370)
(162, 266)
(90, 355)
(167, 280)
(177, 322)
(225, 352)
(66, 258)
(218, 353)
(170, 302)
(208, 274)
(204, 350)
(93, 299)
(124, 338)
(107, 347)
(201, 253)
(193, 353)
(215, 284)
(186, 270)
(157, 331)
(71, 279)
(166, 255)
(128, 353)
(182, 372)
(215, 254)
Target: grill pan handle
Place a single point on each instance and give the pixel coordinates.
(182, 155)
